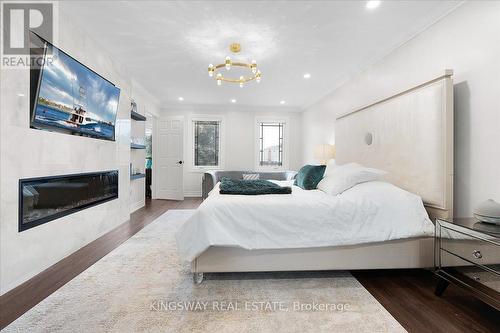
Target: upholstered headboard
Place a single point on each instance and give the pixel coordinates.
(409, 135)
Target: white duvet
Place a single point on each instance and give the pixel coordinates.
(368, 212)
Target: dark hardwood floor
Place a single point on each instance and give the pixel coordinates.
(22, 298)
(408, 295)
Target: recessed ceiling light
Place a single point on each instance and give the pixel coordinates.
(21, 95)
(307, 76)
(372, 4)
(180, 99)
(233, 101)
(282, 102)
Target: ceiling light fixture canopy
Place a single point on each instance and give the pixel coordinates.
(228, 64)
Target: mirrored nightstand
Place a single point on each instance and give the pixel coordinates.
(467, 253)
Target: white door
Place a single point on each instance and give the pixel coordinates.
(170, 162)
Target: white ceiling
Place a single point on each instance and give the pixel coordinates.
(167, 45)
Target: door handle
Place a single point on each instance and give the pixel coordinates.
(180, 162)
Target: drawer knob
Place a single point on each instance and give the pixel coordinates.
(477, 278)
(477, 254)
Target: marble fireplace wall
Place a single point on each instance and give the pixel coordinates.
(29, 153)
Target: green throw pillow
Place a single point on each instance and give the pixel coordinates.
(309, 176)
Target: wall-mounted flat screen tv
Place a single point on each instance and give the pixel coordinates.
(72, 98)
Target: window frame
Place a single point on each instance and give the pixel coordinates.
(212, 118)
(285, 147)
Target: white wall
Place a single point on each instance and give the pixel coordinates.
(28, 152)
(467, 41)
(240, 139)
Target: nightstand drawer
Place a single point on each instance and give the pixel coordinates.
(458, 268)
(468, 254)
(475, 250)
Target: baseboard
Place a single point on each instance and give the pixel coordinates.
(137, 205)
(192, 194)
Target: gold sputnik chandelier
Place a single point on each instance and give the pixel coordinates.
(213, 71)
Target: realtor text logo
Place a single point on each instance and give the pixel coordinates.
(25, 27)
(19, 18)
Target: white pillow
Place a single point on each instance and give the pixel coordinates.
(251, 176)
(330, 165)
(345, 176)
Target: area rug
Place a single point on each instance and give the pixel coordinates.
(142, 287)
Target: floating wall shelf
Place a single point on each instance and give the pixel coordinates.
(136, 146)
(137, 176)
(137, 116)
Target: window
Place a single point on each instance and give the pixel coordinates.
(206, 143)
(271, 144)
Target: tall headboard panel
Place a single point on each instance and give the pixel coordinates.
(409, 135)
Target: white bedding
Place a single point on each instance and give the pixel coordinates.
(368, 212)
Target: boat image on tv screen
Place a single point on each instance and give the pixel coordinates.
(72, 97)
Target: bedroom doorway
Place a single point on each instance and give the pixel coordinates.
(170, 159)
(148, 142)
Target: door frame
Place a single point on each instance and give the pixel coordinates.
(156, 147)
(154, 121)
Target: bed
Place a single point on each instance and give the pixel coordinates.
(359, 229)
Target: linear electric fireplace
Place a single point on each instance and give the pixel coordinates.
(48, 198)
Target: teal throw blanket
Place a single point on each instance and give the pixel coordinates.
(251, 187)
